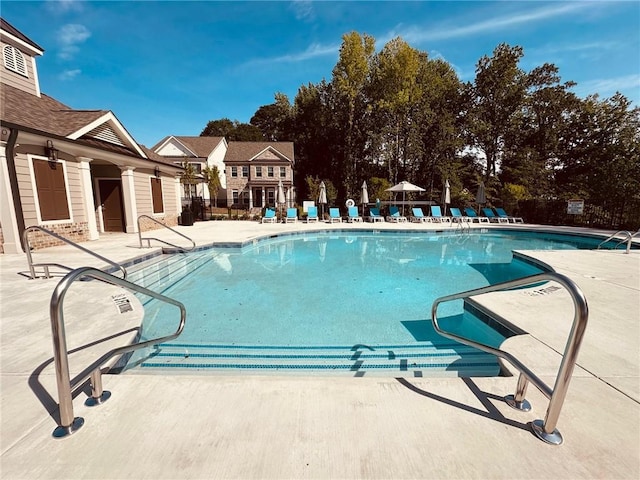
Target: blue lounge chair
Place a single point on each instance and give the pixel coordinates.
(353, 215)
(394, 215)
(473, 216)
(334, 215)
(374, 215)
(418, 216)
(502, 214)
(493, 217)
(292, 215)
(312, 214)
(456, 215)
(436, 215)
(269, 216)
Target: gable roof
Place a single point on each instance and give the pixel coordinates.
(199, 146)
(49, 116)
(243, 151)
(19, 37)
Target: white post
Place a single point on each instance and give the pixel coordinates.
(87, 196)
(129, 199)
(12, 240)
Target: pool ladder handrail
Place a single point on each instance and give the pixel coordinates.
(545, 430)
(148, 239)
(32, 266)
(68, 423)
(628, 238)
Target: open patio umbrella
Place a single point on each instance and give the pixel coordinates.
(405, 187)
(446, 196)
(481, 197)
(281, 198)
(322, 198)
(364, 196)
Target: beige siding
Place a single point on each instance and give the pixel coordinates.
(14, 79)
(143, 193)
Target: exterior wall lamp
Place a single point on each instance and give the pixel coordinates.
(51, 152)
(156, 172)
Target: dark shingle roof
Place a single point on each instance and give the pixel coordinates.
(201, 146)
(42, 113)
(243, 151)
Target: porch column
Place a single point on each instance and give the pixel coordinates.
(129, 199)
(178, 192)
(87, 197)
(250, 198)
(12, 240)
(263, 194)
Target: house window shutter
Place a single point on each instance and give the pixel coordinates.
(52, 192)
(156, 195)
(13, 60)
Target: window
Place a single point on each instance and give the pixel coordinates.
(156, 195)
(258, 171)
(234, 194)
(269, 171)
(283, 172)
(14, 60)
(234, 171)
(245, 171)
(271, 196)
(51, 190)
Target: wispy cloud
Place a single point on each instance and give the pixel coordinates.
(69, 37)
(63, 6)
(606, 87)
(303, 9)
(314, 50)
(417, 35)
(69, 74)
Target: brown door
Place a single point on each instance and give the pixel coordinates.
(111, 201)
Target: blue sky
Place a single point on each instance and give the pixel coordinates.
(167, 68)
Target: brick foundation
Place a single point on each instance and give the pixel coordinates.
(169, 221)
(76, 232)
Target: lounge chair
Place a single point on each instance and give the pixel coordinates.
(493, 217)
(436, 215)
(269, 216)
(312, 214)
(374, 215)
(456, 215)
(353, 215)
(334, 215)
(418, 216)
(502, 214)
(473, 216)
(292, 215)
(394, 215)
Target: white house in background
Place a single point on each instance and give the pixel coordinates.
(200, 152)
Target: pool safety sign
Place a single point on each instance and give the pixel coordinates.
(575, 207)
(122, 303)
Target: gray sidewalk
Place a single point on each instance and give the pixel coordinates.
(221, 426)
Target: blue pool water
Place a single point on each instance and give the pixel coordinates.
(327, 290)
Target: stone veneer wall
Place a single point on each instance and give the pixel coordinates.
(76, 232)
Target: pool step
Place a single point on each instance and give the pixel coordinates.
(162, 271)
(424, 359)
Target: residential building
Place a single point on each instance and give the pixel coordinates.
(78, 173)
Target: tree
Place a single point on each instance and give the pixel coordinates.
(275, 120)
(212, 179)
(189, 178)
(233, 131)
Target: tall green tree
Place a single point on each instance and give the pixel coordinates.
(212, 179)
(275, 120)
(233, 131)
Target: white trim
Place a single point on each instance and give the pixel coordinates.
(22, 43)
(14, 60)
(275, 152)
(34, 187)
(157, 214)
(110, 118)
(34, 68)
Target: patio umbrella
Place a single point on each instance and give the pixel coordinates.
(404, 187)
(481, 197)
(446, 196)
(322, 198)
(281, 198)
(364, 196)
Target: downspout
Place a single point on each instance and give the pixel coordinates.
(13, 179)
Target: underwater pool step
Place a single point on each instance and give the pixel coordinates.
(161, 272)
(389, 360)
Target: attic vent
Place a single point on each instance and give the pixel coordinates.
(14, 60)
(105, 132)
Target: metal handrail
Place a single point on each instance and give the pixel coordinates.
(545, 430)
(628, 238)
(148, 239)
(27, 251)
(69, 424)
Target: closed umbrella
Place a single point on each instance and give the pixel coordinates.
(322, 198)
(446, 196)
(364, 196)
(481, 197)
(404, 187)
(281, 198)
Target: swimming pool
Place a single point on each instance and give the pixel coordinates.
(308, 301)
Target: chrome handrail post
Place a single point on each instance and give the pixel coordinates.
(518, 400)
(27, 251)
(68, 423)
(98, 395)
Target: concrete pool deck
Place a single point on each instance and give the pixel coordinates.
(222, 426)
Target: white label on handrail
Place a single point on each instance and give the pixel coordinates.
(122, 303)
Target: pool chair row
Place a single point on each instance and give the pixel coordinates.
(470, 215)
